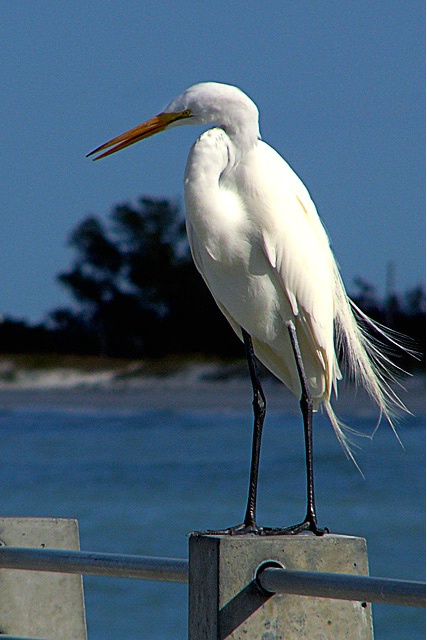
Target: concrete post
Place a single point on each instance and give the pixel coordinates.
(225, 602)
(38, 604)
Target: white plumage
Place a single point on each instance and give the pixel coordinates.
(259, 244)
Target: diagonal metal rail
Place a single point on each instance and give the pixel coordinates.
(343, 586)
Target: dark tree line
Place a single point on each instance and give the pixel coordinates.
(138, 294)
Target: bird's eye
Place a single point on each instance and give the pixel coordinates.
(186, 113)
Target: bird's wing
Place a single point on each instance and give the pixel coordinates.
(297, 248)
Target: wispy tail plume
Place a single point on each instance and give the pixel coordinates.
(367, 362)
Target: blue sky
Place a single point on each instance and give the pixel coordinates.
(340, 88)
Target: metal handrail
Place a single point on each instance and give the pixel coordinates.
(271, 579)
(93, 563)
(341, 586)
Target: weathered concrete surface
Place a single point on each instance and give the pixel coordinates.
(224, 601)
(37, 604)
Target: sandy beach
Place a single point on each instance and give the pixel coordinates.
(193, 387)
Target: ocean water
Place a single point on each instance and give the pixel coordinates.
(138, 480)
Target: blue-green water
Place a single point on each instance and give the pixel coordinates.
(138, 481)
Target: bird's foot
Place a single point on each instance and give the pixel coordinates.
(237, 530)
(309, 524)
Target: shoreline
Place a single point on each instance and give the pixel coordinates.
(192, 386)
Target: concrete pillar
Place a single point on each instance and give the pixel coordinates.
(225, 602)
(37, 604)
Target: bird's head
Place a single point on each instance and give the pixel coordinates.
(203, 103)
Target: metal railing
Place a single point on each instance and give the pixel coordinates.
(93, 563)
(271, 579)
(343, 586)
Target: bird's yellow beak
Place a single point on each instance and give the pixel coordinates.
(144, 130)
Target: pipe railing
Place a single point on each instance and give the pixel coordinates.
(342, 586)
(271, 579)
(93, 563)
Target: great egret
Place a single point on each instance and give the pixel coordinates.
(258, 242)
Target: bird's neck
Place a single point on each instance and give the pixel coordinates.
(211, 205)
(242, 138)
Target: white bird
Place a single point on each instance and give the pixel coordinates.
(259, 244)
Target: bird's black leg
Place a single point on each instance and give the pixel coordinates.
(306, 404)
(259, 407)
(259, 404)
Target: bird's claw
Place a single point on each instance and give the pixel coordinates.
(307, 525)
(237, 530)
(252, 528)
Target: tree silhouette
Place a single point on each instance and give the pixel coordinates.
(137, 286)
